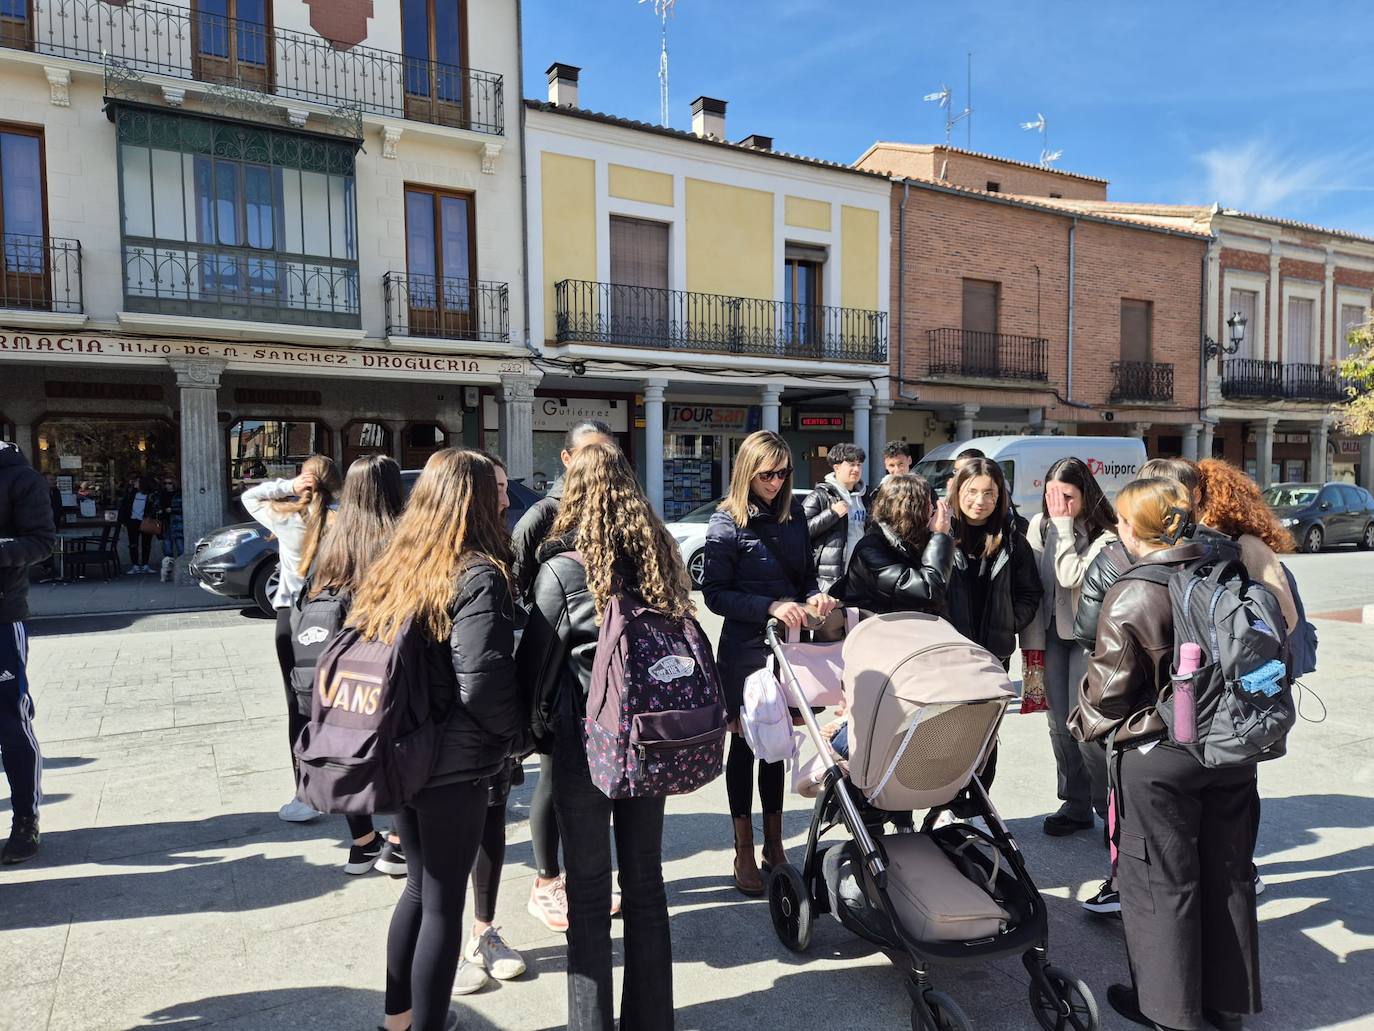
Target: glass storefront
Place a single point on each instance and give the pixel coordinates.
(553, 417)
(419, 440)
(270, 449)
(94, 458)
(364, 438)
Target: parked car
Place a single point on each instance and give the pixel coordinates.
(1321, 514)
(690, 533)
(240, 561)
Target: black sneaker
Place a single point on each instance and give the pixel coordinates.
(23, 843)
(1059, 825)
(392, 859)
(362, 858)
(1107, 901)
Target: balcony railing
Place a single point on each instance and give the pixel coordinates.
(159, 39)
(640, 316)
(40, 273)
(1253, 378)
(965, 352)
(449, 309)
(1142, 381)
(239, 283)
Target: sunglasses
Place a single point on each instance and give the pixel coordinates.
(774, 474)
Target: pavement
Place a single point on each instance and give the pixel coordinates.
(141, 593)
(168, 894)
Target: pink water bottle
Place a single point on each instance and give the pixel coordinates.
(1185, 703)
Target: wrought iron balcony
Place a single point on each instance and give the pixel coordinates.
(1254, 379)
(40, 273)
(167, 278)
(1142, 381)
(147, 38)
(965, 352)
(640, 316)
(445, 308)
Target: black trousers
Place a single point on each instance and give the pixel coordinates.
(140, 543)
(286, 660)
(1184, 869)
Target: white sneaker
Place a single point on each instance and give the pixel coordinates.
(490, 951)
(296, 811)
(1259, 885)
(133, 571)
(471, 977)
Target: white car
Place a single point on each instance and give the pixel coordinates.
(690, 533)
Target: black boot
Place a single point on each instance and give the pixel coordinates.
(23, 843)
(1221, 1020)
(1127, 1003)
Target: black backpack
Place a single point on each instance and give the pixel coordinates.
(314, 622)
(373, 735)
(1243, 701)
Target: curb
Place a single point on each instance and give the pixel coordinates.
(142, 612)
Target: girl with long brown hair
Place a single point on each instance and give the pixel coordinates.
(621, 546)
(297, 513)
(902, 563)
(759, 565)
(445, 572)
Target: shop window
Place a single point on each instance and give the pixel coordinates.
(365, 438)
(271, 449)
(419, 440)
(94, 458)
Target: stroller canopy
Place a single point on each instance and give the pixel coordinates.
(924, 705)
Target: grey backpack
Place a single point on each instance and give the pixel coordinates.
(1242, 695)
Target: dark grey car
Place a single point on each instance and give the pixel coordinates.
(1319, 515)
(240, 561)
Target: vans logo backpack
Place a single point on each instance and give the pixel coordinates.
(1241, 695)
(313, 635)
(314, 621)
(372, 738)
(655, 723)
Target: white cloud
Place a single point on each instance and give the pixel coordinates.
(1260, 176)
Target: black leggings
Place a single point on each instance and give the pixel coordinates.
(739, 780)
(440, 830)
(486, 872)
(286, 659)
(140, 543)
(543, 825)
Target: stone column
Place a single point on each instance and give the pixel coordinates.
(515, 426)
(1204, 444)
(1317, 466)
(653, 441)
(863, 402)
(1367, 461)
(396, 428)
(963, 422)
(882, 408)
(1137, 429)
(1190, 451)
(771, 400)
(202, 456)
(1264, 449)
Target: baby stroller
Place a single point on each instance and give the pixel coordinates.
(924, 705)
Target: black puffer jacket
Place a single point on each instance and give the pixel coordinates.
(529, 535)
(474, 673)
(1011, 600)
(886, 576)
(558, 646)
(1111, 562)
(27, 533)
(829, 532)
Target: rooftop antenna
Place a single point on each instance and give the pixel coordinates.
(1047, 157)
(944, 97)
(664, 9)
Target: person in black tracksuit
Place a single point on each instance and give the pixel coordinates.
(995, 589)
(1186, 836)
(759, 565)
(27, 536)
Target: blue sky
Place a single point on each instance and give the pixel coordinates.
(1264, 106)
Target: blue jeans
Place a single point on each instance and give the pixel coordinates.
(585, 824)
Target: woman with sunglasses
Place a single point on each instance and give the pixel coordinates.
(758, 567)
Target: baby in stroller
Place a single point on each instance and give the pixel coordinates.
(922, 706)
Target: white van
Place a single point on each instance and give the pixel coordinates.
(1114, 461)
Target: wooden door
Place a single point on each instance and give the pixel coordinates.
(232, 42)
(26, 276)
(441, 264)
(434, 53)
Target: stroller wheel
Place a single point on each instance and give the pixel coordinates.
(1071, 1007)
(789, 904)
(938, 1012)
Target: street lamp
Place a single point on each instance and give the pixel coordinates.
(1236, 329)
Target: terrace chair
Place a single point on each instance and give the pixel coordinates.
(102, 550)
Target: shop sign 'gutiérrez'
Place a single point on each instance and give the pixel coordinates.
(352, 361)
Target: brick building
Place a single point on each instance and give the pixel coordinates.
(1017, 311)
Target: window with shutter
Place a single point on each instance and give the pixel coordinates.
(639, 278)
(980, 305)
(1247, 303)
(1353, 316)
(1298, 336)
(1135, 330)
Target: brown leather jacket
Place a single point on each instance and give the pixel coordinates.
(1135, 650)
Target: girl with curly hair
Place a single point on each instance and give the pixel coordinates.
(903, 561)
(606, 540)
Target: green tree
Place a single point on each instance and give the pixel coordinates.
(1357, 414)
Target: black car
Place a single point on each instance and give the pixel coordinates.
(1322, 514)
(240, 561)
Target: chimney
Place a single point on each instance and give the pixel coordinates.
(757, 142)
(708, 118)
(563, 84)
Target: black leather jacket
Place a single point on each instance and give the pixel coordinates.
(558, 646)
(529, 536)
(1011, 601)
(474, 671)
(886, 576)
(1111, 562)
